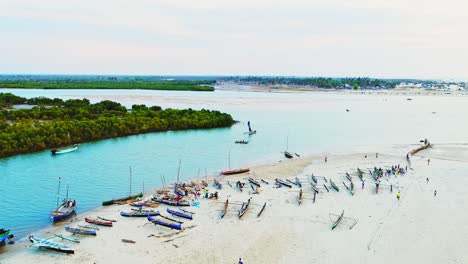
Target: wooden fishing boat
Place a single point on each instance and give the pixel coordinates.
(46, 244)
(252, 132)
(171, 202)
(254, 182)
(97, 222)
(314, 179)
(298, 182)
(80, 231)
(264, 181)
(162, 223)
(338, 221)
(57, 151)
(261, 210)
(242, 142)
(110, 202)
(348, 176)
(179, 214)
(238, 171)
(326, 188)
(288, 155)
(314, 188)
(65, 210)
(223, 212)
(105, 219)
(139, 213)
(333, 185)
(280, 182)
(204, 183)
(299, 199)
(74, 240)
(293, 182)
(244, 208)
(4, 235)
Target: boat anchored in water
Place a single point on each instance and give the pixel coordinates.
(57, 151)
(65, 210)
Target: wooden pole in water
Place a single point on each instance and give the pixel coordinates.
(58, 193)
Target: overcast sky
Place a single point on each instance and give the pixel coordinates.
(376, 38)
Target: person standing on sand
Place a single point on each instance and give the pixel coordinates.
(326, 159)
(428, 161)
(376, 155)
(398, 195)
(240, 261)
(362, 184)
(435, 193)
(427, 180)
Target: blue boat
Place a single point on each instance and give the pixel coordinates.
(159, 222)
(179, 214)
(139, 214)
(65, 210)
(80, 231)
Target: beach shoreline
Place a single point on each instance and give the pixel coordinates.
(286, 231)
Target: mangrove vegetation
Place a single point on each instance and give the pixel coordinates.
(50, 123)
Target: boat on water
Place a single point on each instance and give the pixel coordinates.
(98, 222)
(166, 224)
(288, 155)
(47, 244)
(179, 214)
(65, 210)
(80, 231)
(4, 235)
(57, 151)
(238, 171)
(139, 214)
(130, 197)
(242, 141)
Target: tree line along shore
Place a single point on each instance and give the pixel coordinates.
(176, 85)
(51, 123)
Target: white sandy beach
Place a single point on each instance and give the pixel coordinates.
(420, 228)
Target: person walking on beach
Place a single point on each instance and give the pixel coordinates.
(362, 184)
(435, 193)
(398, 195)
(428, 161)
(376, 155)
(240, 261)
(326, 159)
(427, 180)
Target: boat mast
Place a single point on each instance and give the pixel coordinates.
(229, 158)
(67, 191)
(130, 180)
(58, 193)
(178, 172)
(287, 143)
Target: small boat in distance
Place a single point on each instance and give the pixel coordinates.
(72, 148)
(242, 141)
(251, 132)
(47, 244)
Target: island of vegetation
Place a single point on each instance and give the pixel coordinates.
(50, 123)
(72, 82)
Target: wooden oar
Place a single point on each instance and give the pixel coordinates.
(105, 219)
(170, 219)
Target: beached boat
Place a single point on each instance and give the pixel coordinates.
(171, 202)
(4, 235)
(217, 184)
(223, 212)
(65, 210)
(244, 208)
(288, 155)
(349, 177)
(74, 240)
(139, 214)
(46, 244)
(98, 222)
(292, 182)
(110, 202)
(314, 179)
(57, 151)
(254, 182)
(80, 231)
(315, 188)
(334, 186)
(204, 183)
(338, 221)
(298, 182)
(238, 171)
(162, 223)
(264, 181)
(299, 198)
(179, 214)
(261, 210)
(280, 182)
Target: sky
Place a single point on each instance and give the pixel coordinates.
(348, 38)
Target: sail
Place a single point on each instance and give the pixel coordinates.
(248, 124)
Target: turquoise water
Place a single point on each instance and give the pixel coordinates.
(312, 123)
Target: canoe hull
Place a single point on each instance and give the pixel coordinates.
(179, 214)
(161, 223)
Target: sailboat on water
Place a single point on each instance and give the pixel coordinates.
(251, 132)
(238, 171)
(287, 154)
(65, 210)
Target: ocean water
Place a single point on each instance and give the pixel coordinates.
(305, 123)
